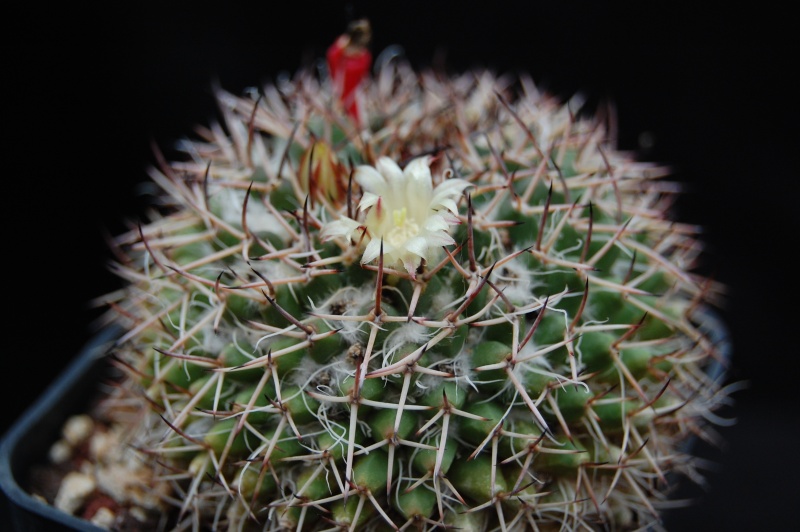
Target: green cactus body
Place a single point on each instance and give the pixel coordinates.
(467, 335)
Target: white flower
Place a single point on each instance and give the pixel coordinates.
(403, 210)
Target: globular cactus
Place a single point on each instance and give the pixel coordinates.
(461, 308)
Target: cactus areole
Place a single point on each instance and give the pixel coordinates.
(457, 304)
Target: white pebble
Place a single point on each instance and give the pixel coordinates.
(74, 489)
(77, 429)
(103, 447)
(104, 518)
(60, 452)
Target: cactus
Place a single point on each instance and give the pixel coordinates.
(463, 307)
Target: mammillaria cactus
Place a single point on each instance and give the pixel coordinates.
(453, 305)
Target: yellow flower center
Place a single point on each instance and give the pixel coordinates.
(404, 228)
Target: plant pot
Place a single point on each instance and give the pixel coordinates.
(27, 442)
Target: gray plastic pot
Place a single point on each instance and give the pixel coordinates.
(27, 441)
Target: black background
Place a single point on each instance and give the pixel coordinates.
(88, 90)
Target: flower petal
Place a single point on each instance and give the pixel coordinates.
(435, 222)
(344, 226)
(449, 217)
(370, 180)
(368, 200)
(418, 245)
(420, 182)
(449, 204)
(392, 174)
(373, 250)
(446, 190)
(411, 267)
(439, 239)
